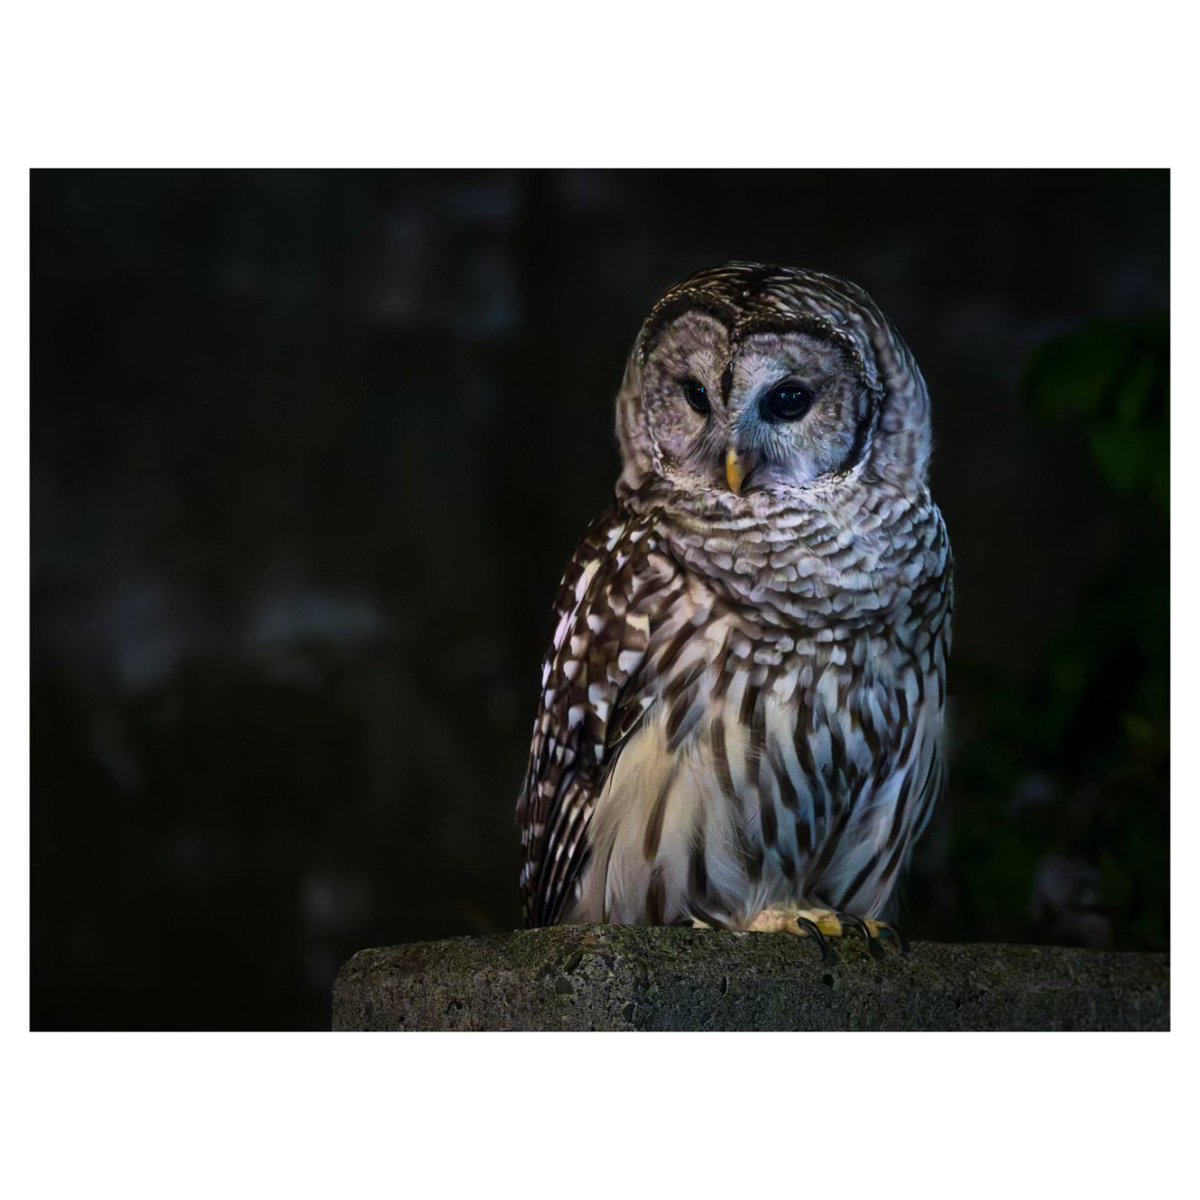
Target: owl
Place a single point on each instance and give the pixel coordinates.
(741, 709)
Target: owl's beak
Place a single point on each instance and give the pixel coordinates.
(735, 470)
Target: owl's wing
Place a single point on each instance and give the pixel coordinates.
(591, 701)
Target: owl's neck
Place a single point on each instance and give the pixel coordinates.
(828, 555)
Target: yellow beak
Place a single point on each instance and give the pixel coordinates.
(734, 471)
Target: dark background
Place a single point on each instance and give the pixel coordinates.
(310, 452)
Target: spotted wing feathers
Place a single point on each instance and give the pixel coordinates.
(588, 706)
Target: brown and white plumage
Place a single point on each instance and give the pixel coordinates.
(742, 703)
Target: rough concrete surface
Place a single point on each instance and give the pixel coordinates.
(614, 977)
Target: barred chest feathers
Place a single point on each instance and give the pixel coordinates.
(784, 760)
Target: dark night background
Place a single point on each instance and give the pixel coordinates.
(310, 452)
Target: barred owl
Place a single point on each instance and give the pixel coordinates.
(741, 713)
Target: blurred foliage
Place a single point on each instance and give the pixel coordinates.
(1111, 379)
(1059, 826)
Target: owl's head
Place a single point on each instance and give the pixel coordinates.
(749, 380)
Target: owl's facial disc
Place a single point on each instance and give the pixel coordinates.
(771, 411)
(796, 409)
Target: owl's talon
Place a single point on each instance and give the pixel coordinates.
(880, 929)
(810, 927)
(855, 923)
(893, 931)
(875, 950)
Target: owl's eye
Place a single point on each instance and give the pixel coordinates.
(787, 402)
(697, 396)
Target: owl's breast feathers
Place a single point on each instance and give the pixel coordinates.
(773, 695)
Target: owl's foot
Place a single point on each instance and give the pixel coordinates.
(823, 923)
